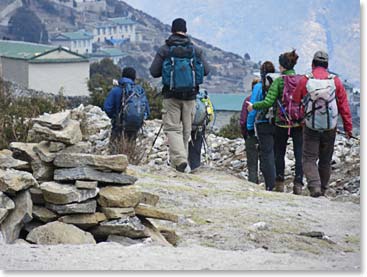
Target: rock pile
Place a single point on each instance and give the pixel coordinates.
(55, 190)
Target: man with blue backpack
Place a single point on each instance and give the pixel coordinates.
(182, 67)
(127, 106)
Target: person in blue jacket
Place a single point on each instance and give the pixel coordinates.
(251, 142)
(112, 104)
(262, 121)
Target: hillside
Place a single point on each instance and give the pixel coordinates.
(264, 29)
(230, 72)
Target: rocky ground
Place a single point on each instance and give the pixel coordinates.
(225, 223)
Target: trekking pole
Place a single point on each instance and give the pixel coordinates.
(344, 134)
(160, 129)
(283, 111)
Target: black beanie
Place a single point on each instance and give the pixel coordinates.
(178, 25)
(129, 72)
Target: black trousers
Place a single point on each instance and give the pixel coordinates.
(265, 133)
(281, 138)
(197, 138)
(252, 158)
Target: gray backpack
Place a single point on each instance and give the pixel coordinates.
(321, 109)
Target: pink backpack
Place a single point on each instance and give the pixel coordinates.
(290, 111)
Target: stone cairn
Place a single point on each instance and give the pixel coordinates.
(57, 190)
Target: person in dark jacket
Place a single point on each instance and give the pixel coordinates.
(178, 107)
(318, 145)
(251, 142)
(112, 104)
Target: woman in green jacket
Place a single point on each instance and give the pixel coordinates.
(285, 126)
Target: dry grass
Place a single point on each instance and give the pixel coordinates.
(136, 150)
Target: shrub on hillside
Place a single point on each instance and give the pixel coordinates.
(16, 112)
(233, 129)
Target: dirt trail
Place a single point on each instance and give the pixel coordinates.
(216, 228)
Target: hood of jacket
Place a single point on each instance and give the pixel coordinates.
(177, 39)
(125, 80)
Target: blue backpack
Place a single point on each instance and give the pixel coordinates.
(133, 108)
(182, 71)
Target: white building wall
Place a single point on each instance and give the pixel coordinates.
(81, 46)
(72, 78)
(15, 71)
(117, 32)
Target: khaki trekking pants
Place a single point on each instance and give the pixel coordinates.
(177, 118)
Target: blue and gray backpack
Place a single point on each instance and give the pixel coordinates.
(133, 108)
(182, 71)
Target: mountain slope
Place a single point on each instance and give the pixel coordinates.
(230, 72)
(266, 28)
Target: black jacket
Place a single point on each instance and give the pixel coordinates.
(164, 52)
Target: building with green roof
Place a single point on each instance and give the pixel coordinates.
(79, 41)
(114, 54)
(225, 106)
(44, 67)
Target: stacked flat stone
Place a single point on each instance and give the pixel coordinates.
(54, 190)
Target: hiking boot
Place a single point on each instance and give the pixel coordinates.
(315, 192)
(279, 186)
(297, 188)
(181, 167)
(323, 190)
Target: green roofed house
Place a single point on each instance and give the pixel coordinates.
(79, 42)
(225, 106)
(114, 54)
(44, 67)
